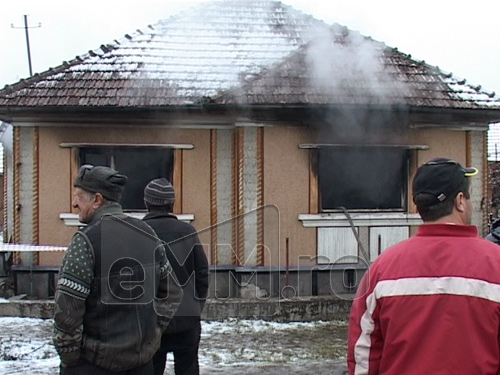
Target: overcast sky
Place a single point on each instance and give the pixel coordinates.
(458, 36)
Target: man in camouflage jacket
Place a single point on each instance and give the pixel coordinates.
(116, 291)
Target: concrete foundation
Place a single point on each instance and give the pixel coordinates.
(291, 310)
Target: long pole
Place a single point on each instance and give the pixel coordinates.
(26, 30)
(28, 42)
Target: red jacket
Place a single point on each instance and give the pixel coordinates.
(429, 305)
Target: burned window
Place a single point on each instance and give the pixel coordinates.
(362, 178)
(140, 165)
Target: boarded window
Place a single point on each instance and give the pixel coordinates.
(140, 165)
(362, 178)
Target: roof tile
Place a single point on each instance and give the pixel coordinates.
(245, 51)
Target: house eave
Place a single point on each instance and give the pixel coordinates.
(214, 115)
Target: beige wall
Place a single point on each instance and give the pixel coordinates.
(55, 185)
(454, 144)
(442, 143)
(286, 177)
(286, 185)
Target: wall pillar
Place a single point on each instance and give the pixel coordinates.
(237, 196)
(25, 210)
(476, 157)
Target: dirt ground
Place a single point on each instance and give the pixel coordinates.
(230, 347)
(257, 347)
(306, 368)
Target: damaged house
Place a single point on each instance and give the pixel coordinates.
(291, 143)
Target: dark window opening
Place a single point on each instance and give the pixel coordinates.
(140, 165)
(362, 178)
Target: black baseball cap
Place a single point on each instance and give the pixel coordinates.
(437, 180)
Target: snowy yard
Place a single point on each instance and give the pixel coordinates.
(229, 347)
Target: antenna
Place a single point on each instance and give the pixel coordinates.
(26, 28)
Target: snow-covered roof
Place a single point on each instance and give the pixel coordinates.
(244, 51)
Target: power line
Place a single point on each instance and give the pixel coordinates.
(26, 28)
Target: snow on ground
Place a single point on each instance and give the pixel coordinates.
(229, 347)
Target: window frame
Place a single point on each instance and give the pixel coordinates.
(176, 172)
(314, 187)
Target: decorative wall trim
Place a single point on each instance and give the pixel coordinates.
(385, 219)
(377, 145)
(182, 146)
(16, 258)
(6, 208)
(17, 186)
(35, 198)
(260, 196)
(213, 197)
(71, 219)
(234, 200)
(240, 209)
(483, 206)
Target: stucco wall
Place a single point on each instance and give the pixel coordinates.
(459, 146)
(286, 178)
(55, 187)
(286, 185)
(442, 143)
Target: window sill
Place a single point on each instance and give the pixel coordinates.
(360, 219)
(71, 220)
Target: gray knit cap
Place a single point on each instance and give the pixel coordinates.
(159, 192)
(102, 180)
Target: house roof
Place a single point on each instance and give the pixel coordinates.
(244, 52)
(344, 67)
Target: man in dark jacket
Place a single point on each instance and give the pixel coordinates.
(116, 290)
(187, 257)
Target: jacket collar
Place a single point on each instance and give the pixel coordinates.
(454, 230)
(158, 214)
(109, 209)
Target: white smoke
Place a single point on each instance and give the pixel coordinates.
(344, 64)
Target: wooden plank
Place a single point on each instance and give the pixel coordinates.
(337, 245)
(412, 169)
(382, 238)
(313, 183)
(177, 181)
(74, 167)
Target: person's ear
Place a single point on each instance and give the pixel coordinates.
(460, 202)
(98, 200)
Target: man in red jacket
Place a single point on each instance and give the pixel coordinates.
(431, 304)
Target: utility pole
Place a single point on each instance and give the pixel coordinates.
(26, 28)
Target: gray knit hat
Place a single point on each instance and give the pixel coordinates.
(102, 180)
(159, 192)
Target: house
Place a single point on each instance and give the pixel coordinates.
(290, 143)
